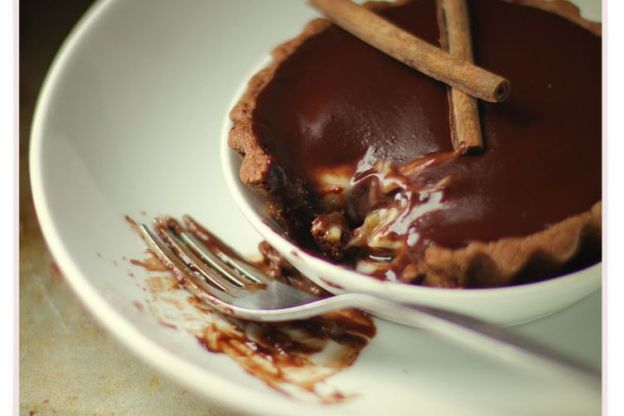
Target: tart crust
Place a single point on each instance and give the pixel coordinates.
(258, 169)
(478, 264)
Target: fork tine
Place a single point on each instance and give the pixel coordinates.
(221, 260)
(219, 277)
(199, 251)
(226, 253)
(180, 269)
(245, 269)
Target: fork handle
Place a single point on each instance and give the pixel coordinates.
(493, 340)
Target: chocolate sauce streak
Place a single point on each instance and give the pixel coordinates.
(293, 353)
(337, 103)
(291, 357)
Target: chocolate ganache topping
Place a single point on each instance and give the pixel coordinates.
(338, 105)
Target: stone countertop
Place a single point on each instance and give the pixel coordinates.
(68, 364)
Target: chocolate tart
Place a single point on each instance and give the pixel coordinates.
(352, 151)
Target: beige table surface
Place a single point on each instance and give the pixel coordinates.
(68, 364)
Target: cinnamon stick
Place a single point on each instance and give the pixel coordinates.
(455, 37)
(413, 51)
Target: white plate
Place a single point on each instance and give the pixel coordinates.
(129, 120)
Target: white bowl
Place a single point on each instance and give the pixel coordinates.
(506, 305)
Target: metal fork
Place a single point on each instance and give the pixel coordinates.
(233, 287)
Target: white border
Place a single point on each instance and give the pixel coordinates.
(9, 185)
(613, 87)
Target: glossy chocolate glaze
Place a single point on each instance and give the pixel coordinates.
(337, 99)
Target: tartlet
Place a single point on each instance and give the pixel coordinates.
(352, 151)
